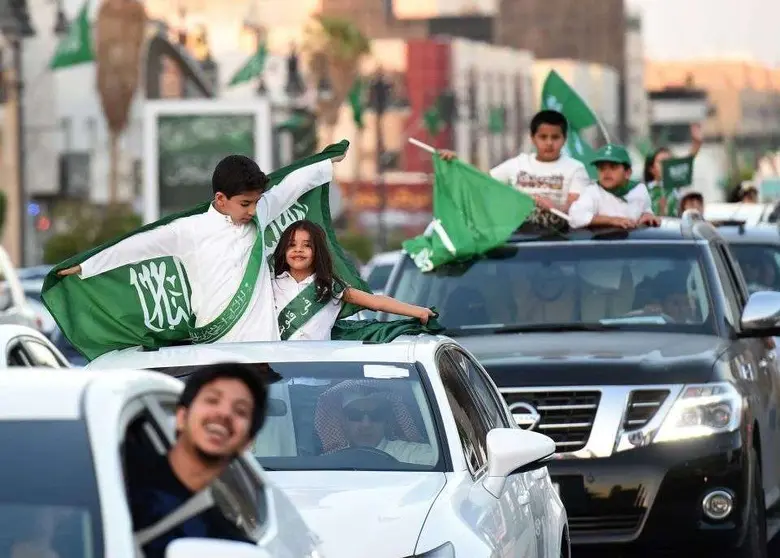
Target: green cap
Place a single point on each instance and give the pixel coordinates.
(611, 153)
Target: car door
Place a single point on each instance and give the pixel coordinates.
(506, 522)
(757, 364)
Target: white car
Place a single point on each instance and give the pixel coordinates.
(14, 307)
(748, 213)
(66, 439)
(439, 468)
(377, 271)
(27, 347)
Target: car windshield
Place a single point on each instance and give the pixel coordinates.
(760, 264)
(48, 495)
(346, 416)
(378, 277)
(566, 286)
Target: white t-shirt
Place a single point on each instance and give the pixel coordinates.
(554, 180)
(595, 200)
(319, 325)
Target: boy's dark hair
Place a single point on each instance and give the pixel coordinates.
(238, 174)
(323, 262)
(551, 118)
(255, 377)
(692, 196)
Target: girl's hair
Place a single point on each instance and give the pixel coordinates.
(324, 277)
(650, 163)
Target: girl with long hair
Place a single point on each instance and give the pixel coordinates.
(308, 295)
(665, 202)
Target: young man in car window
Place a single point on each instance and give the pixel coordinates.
(613, 201)
(218, 414)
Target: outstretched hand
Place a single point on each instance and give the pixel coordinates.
(447, 155)
(425, 315)
(75, 270)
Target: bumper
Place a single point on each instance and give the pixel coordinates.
(651, 497)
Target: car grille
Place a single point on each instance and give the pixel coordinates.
(623, 524)
(565, 416)
(642, 407)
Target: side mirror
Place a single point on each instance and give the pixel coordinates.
(209, 548)
(761, 315)
(513, 450)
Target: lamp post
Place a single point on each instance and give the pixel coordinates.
(380, 99)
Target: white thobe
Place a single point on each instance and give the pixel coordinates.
(318, 327)
(595, 200)
(214, 252)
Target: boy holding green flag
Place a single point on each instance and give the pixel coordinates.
(221, 249)
(614, 201)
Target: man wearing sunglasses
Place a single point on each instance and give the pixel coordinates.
(366, 417)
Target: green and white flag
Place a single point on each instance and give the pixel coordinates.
(677, 173)
(75, 48)
(148, 304)
(558, 95)
(252, 68)
(473, 213)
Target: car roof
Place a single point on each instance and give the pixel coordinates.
(740, 233)
(691, 228)
(9, 331)
(56, 394)
(405, 349)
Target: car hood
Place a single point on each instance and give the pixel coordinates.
(596, 358)
(362, 513)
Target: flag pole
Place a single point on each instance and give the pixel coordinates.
(432, 150)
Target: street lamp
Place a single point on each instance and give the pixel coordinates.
(15, 25)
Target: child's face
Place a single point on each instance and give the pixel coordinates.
(658, 163)
(240, 207)
(548, 141)
(300, 252)
(693, 204)
(612, 175)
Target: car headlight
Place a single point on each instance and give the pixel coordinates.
(702, 410)
(444, 551)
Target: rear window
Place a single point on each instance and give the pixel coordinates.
(377, 279)
(760, 265)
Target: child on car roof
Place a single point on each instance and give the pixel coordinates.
(613, 201)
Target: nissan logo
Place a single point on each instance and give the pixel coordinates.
(525, 415)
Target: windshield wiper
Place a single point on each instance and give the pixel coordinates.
(523, 328)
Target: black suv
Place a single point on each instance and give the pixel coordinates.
(642, 354)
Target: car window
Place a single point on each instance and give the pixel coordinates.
(41, 355)
(17, 356)
(637, 285)
(352, 416)
(483, 390)
(471, 420)
(760, 265)
(378, 277)
(238, 493)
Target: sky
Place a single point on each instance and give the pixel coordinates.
(680, 29)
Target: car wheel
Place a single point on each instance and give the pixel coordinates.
(755, 544)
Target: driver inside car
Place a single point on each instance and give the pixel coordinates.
(366, 417)
(667, 294)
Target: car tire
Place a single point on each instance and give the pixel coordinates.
(754, 544)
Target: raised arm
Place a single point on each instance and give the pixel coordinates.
(380, 303)
(282, 196)
(697, 139)
(166, 240)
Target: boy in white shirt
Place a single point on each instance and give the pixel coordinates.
(614, 201)
(555, 180)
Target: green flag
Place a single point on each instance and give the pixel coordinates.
(356, 102)
(677, 173)
(558, 95)
(76, 46)
(147, 304)
(473, 213)
(253, 67)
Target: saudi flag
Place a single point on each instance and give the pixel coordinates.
(472, 214)
(252, 68)
(148, 304)
(76, 46)
(558, 95)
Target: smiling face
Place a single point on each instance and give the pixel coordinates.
(216, 425)
(240, 208)
(300, 252)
